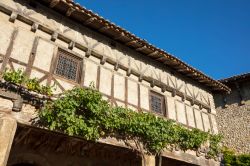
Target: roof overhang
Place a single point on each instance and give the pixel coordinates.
(87, 18)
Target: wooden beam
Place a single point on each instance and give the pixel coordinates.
(211, 85)
(170, 62)
(141, 48)
(53, 3)
(9, 50)
(104, 28)
(89, 21)
(163, 88)
(182, 70)
(160, 58)
(152, 54)
(129, 71)
(54, 36)
(191, 74)
(103, 60)
(202, 81)
(71, 45)
(119, 36)
(13, 17)
(34, 27)
(178, 66)
(130, 42)
(70, 11)
(152, 83)
(32, 57)
(116, 66)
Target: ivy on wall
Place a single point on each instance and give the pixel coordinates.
(231, 159)
(83, 112)
(19, 78)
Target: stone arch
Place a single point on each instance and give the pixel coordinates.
(28, 159)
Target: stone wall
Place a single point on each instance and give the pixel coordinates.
(234, 125)
(233, 114)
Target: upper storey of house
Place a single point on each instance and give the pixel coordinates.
(63, 44)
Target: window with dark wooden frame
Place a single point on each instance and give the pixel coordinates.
(67, 65)
(157, 103)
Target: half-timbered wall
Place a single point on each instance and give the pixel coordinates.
(31, 37)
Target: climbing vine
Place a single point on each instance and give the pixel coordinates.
(19, 78)
(231, 159)
(83, 112)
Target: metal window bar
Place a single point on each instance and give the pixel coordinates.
(67, 66)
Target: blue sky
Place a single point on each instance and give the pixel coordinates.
(210, 35)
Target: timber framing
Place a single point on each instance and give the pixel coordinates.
(51, 77)
(86, 17)
(86, 53)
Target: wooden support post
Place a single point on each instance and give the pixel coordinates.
(148, 160)
(7, 133)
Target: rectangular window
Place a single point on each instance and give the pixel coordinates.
(67, 65)
(157, 103)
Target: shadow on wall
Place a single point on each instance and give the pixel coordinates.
(240, 95)
(24, 164)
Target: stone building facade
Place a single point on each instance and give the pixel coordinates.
(233, 113)
(63, 44)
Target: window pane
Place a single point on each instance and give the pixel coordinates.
(156, 103)
(67, 66)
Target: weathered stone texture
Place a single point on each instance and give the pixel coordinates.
(5, 105)
(234, 124)
(149, 161)
(7, 132)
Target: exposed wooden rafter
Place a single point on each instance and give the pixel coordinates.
(119, 36)
(141, 48)
(89, 21)
(104, 28)
(53, 3)
(70, 11)
(153, 53)
(130, 42)
(161, 58)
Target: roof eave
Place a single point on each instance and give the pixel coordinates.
(123, 36)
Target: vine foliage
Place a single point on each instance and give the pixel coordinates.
(231, 159)
(83, 112)
(19, 78)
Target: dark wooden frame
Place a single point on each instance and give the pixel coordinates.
(64, 53)
(163, 106)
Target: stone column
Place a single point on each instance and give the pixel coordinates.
(149, 160)
(7, 132)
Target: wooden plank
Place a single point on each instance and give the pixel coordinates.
(9, 50)
(32, 57)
